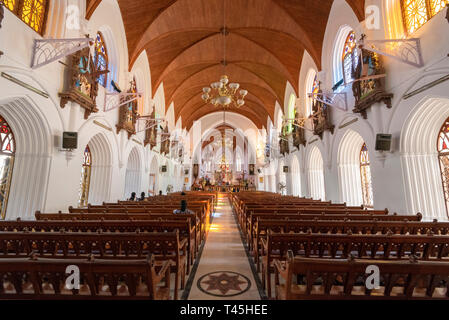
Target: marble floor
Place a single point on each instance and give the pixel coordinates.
(224, 271)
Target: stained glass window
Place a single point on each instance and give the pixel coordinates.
(8, 149)
(349, 57)
(101, 59)
(32, 12)
(365, 175)
(85, 178)
(417, 12)
(443, 155)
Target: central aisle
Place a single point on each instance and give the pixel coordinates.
(224, 272)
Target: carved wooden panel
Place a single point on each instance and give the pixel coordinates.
(321, 118)
(369, 91)
(299, 136)
(151, 132)
(80, 82)
(165, 142)
(128, 112)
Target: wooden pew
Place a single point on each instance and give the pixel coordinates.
(162, 222)
(375, 247)
(341, 279)
(342, 227)
(164, 246)
(248, 227)
(41, 278)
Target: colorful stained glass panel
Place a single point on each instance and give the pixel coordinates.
(365, 175)
(443, 155)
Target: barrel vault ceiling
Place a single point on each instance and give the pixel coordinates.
(265, 42)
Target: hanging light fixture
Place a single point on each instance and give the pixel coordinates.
(222, 93)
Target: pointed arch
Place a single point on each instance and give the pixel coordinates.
(316, 174)
(133, 174)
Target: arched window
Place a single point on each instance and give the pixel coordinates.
(32, 12)
(443, 155)
(101, 59)
(85, 177)
(8, 150)
(365, 175)
(312, 86)
(416, 13)
(349, 58)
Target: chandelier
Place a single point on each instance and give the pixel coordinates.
(222, 93)
(225, 94)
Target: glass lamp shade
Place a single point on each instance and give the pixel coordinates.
(205, 97)
(240, 102)
(206, 90)
(234, 86)
(224, 100)
(217, 85)
(224, 80)
(243, 93)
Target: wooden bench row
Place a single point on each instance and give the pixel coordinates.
(343, 279)
(375, 247)
(41, 278)
(164, 247)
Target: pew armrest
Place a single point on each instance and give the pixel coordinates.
(264, 243)
(183, 244)
(280, 268)
(163, 272)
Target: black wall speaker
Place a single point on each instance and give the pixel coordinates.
(251, 169)
(383, 142)
(258, 170)
(164, 169)
(69, 140)
(285, 169)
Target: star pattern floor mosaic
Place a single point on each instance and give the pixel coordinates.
(224, 283)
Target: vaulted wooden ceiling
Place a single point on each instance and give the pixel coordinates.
(265, 44)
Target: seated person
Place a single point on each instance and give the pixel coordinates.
(160, 192)
(183, 209)
(133, 197)
(142, 197)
